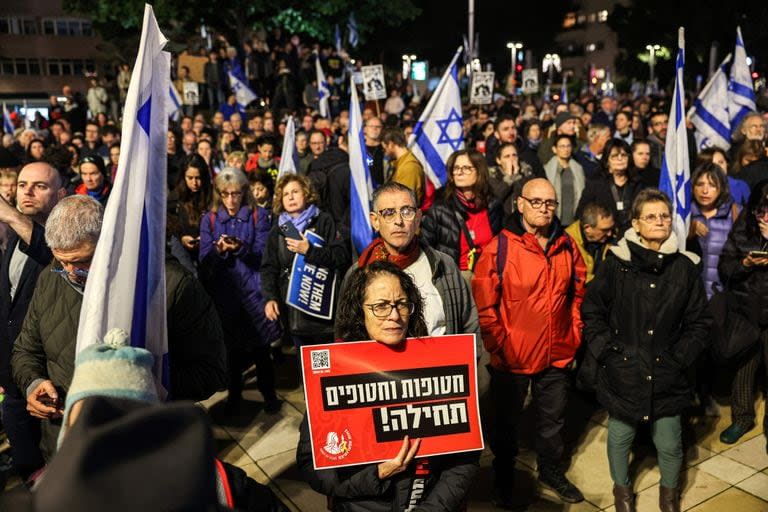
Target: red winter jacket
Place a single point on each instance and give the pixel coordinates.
(533, 321)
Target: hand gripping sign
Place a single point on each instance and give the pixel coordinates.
(364, 397)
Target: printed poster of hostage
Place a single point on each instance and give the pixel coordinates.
(364, 397)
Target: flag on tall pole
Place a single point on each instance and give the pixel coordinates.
(7, 123)
(360, 176)
(709, 113)
(239, 85)
(289, 157)
(174, 103)
(741, 91)
(440, 130)
(564, 91)
(675, 178)
(354, 38)
(323, 92)
(126, 280)
(337, 39)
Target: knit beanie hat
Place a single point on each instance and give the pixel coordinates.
(112, 369)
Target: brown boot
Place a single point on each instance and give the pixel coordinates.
(669, 499)
(623, 498)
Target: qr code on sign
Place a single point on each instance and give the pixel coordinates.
(321, 359)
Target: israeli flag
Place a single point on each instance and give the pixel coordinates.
(323, 92)
(741, 91)
(337, 38)
(174, 103)
(675, 178)
(440, 129)
(243, 94)
(354, 38)
(564, 93)
(360, 176)
(7, 123)
(126, 281)
(709, 113)
(289, 157)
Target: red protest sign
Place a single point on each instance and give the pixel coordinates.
(364, 397)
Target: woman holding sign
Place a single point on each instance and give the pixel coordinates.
(232, 239)
(301, 264)
(385, 305)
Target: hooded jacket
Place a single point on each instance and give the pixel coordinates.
(530, 321)
(646, 320)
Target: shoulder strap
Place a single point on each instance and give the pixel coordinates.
(501, 255)
(465, 230)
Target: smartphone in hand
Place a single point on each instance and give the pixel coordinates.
(289, 231)
(758, 254)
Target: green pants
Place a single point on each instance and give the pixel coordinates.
(667, 437)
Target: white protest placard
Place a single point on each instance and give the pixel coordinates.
(481, 92)
(530, 81)
(191, 93)
(374, 87)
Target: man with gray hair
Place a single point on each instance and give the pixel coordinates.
(589, 155)
(39, 189)
(44, 355)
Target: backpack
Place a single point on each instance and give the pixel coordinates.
(320, 179)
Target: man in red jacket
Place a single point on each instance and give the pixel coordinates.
(529, 285)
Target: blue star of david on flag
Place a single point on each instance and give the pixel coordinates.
(445, 124)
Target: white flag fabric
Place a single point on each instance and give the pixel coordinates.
(440, 130)
(675, 178)
(709, 113)
(323, 92)
(359, 178)
(7, 123)
(126, 281)
(289, 156)
(741, 91)
(354, 38)
(243, 94)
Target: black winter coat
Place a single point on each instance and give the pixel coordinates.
(646, 320)
(598, 190)
(277, 261)
(749, 285)
(358, 488)
(441, 229)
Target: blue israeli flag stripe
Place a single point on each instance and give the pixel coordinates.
(710, 112)
(359, 177)
(243, 94)
(440, 130)
(354, 39)
(675, 180)
(7, 123)
(323, 91)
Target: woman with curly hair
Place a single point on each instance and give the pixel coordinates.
(384, 304)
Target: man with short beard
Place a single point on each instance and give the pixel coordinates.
(39, 189)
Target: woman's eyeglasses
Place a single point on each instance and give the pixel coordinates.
(233, 195)
(652, 218)
(384, 309)
(463, 169)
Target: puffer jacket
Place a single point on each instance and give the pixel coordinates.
(45, 348)
(711, 245)
(233, 279)
(646, 320)
(530, 321)
(441, 229)
(749, 284)
(359, 489)
(277, 262)
(507, 188)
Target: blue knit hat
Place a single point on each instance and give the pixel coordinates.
(112, 369)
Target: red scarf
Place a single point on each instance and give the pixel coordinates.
(377, 251)
(470, 204)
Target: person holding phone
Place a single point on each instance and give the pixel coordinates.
(232, 239)
(194, 194)
(744, 268)
(296, 211)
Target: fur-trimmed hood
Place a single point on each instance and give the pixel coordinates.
(624, 253)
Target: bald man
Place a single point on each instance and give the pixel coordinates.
(39, 189)
(528, 286)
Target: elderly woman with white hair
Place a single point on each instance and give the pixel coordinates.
(233, 235)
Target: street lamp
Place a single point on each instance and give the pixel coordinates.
(513, 47)
(407, 61)
(652, 48)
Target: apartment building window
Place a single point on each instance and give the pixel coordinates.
(77, 67)
(67, 27)
(18, 25)
(19, 66)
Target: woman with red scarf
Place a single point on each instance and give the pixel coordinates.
(464, 217)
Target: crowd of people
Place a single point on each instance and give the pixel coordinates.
(550, 241)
